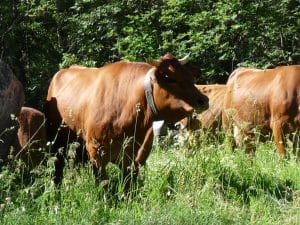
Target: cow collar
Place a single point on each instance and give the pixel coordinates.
(157, 124)
(149, 93)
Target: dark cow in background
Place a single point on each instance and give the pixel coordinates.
(265, 99)
(211, 118)
(11, 101)
(109, 109)
(30, 143)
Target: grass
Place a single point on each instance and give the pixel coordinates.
(199, 182)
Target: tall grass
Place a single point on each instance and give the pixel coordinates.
(197, 182)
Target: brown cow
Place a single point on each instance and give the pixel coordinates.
(211, 118)
(11, 101)
(264, 99)
(112, 109)
(31, 138)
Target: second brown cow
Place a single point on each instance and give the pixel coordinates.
(211, 118)
(267, 100)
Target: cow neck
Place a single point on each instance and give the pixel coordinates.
(149, 93)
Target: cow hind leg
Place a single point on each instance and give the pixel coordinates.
(59, 165)
(59, 150)
(60, 139)
(228, 129)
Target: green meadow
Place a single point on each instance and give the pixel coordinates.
(199, 181)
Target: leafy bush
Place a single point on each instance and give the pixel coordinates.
(39, 37)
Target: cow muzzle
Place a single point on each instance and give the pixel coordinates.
(202, 103)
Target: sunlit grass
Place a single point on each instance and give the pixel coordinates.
(199, 182)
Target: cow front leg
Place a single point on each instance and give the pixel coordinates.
(130, 167)
(278, 137)
(145, 148)
(98, 163)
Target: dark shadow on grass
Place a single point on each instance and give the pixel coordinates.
(249, 186)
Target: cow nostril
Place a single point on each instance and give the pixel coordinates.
(202, 102)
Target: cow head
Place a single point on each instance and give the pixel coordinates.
(174, 92)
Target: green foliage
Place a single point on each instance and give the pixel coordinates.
(39, 37)
(30, 46)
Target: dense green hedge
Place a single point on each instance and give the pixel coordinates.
(40, 36)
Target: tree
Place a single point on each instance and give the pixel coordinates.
(39, 37)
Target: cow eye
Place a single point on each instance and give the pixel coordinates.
(170, 79)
